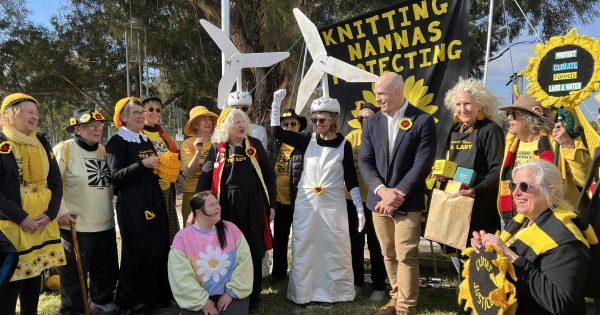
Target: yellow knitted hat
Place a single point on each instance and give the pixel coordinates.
(16, 98)
(119, 107)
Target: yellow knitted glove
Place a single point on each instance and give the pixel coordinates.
(168, 167)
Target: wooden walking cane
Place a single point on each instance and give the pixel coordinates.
(80, 270)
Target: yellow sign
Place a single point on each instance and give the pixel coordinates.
(564, 76)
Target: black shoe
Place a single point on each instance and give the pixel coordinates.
(325, 305)
(126, 312)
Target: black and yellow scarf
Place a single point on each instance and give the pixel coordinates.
(550, 230)
(544, 152)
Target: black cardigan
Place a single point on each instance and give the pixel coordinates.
(10, 195)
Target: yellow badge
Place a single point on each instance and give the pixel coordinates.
(85, 118)
(405, 123)
(72, 121)
(149, 215)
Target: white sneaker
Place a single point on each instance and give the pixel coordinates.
(377, 296)
(109, 307)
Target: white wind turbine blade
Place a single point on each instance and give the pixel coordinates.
(343, 70)
(307, 86)
(227, 81)
(220, 38)
(261, 60)
(310, 34)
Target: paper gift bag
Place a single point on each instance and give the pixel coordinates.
(449, 219)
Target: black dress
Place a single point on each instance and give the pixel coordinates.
(480, 149)
(242, 198)
(142, 223)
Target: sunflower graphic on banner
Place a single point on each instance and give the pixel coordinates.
(424, 41)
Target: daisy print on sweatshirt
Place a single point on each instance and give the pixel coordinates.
(213, 264)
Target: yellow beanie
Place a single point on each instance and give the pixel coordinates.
(15, 99)
(119, 107)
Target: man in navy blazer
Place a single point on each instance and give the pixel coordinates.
(397, 153)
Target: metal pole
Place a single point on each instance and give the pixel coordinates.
(127, 64)
(141, 79)
(489, 41)
(303, 62)
(225, 27)
(146, 63)
(325, 85)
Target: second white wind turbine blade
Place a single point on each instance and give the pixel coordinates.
(220, 38)
(310, 34)
(307, 86)
(261, 60)
(344, 70)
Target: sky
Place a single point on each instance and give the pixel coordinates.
(499, 70)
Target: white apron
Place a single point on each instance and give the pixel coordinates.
(321, 263)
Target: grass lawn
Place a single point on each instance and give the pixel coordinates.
(438, 301)
(432, 301)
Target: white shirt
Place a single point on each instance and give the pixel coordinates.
(392, 122)
(392, 126)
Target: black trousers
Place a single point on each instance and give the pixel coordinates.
(236, 307)
(281, 237)
(28, 292)
(357, 244)
(98, 252)
(143, 280)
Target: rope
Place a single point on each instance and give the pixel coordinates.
(296, 72)
(273, 67)
(528, 22)
(507, 34)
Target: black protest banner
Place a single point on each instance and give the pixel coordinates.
(425, 41)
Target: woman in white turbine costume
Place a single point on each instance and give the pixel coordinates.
(321, 267)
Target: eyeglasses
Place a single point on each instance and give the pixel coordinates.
(289, 124)
(137, 113)
(523, 186)
(362, 118)
(94, 127)
(152, 109)
(318, 120)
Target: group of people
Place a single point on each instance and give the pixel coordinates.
(328, 190)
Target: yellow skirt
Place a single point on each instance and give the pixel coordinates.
(37, 251)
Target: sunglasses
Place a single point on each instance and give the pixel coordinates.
(319, 120)
(523, 186)
(513, 113)
(362, 118)
(289, 124)
(243, 108)
(152, 109)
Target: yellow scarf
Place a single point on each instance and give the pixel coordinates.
(29, 145)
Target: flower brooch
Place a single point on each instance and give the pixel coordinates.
(318, 190)
(250, 151)
(6, 147)
(405, 123)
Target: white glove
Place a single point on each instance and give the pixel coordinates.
(278, 97)
(357, 201)
(361, 219)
